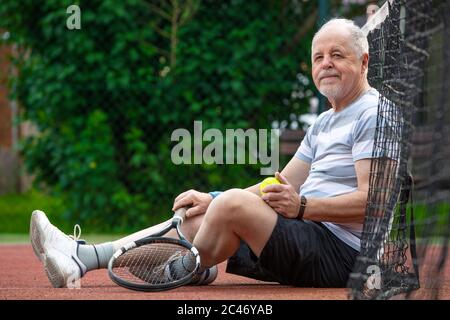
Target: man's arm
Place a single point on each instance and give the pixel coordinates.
(296, 172)
(346, 208)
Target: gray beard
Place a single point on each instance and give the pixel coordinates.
(331, 91)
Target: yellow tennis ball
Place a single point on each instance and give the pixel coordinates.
(266, 182)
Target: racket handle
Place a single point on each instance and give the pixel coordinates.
(180, 214)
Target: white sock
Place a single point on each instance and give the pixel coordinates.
(96, 256)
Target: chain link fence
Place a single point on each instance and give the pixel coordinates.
(107, 83)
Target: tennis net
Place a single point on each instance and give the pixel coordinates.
(404, 244)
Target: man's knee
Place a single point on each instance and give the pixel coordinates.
(235, 199)
(230, 204)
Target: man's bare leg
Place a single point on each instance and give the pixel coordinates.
(236, 214)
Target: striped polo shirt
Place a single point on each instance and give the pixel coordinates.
(332, 145)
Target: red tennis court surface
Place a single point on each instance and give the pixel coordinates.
(22, 277)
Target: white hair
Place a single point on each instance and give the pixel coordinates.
(358, 39)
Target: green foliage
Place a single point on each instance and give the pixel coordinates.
(16, 209)
(106, 98)
(431, 221)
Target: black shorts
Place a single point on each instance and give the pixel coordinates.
(299, 253)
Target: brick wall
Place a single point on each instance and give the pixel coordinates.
(13, 178)
(5, 110)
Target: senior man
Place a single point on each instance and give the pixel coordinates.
(303, 232)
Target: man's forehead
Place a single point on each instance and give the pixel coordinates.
(332, 38)
(332, 44)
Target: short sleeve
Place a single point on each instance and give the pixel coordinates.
(364, 135)
(304, 152)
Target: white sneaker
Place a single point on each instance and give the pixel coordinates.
(179, 267)
(206, 277)
(56, 250)
(173, 270)
(38, 224)
(62, 270)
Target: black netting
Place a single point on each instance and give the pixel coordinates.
(405, 237)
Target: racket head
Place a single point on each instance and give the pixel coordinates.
(146, 267)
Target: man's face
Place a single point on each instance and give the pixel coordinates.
(336, 70)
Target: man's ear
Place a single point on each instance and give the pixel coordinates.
(365, 62)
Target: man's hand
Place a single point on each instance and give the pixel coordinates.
(283, 198)
(198, 201)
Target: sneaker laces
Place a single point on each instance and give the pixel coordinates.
(76, 234)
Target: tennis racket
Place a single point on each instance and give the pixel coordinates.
(156, 263)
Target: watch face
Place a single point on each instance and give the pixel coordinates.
(303, 200)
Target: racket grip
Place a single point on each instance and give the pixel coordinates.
(180, 214)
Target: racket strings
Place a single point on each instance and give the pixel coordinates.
(148, 264)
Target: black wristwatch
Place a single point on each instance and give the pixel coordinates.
(301, 210)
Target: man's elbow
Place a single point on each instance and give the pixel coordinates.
(363, 204)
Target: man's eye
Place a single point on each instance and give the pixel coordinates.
(337, 55)
(318, 58)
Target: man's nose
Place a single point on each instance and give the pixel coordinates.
(326, 62)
